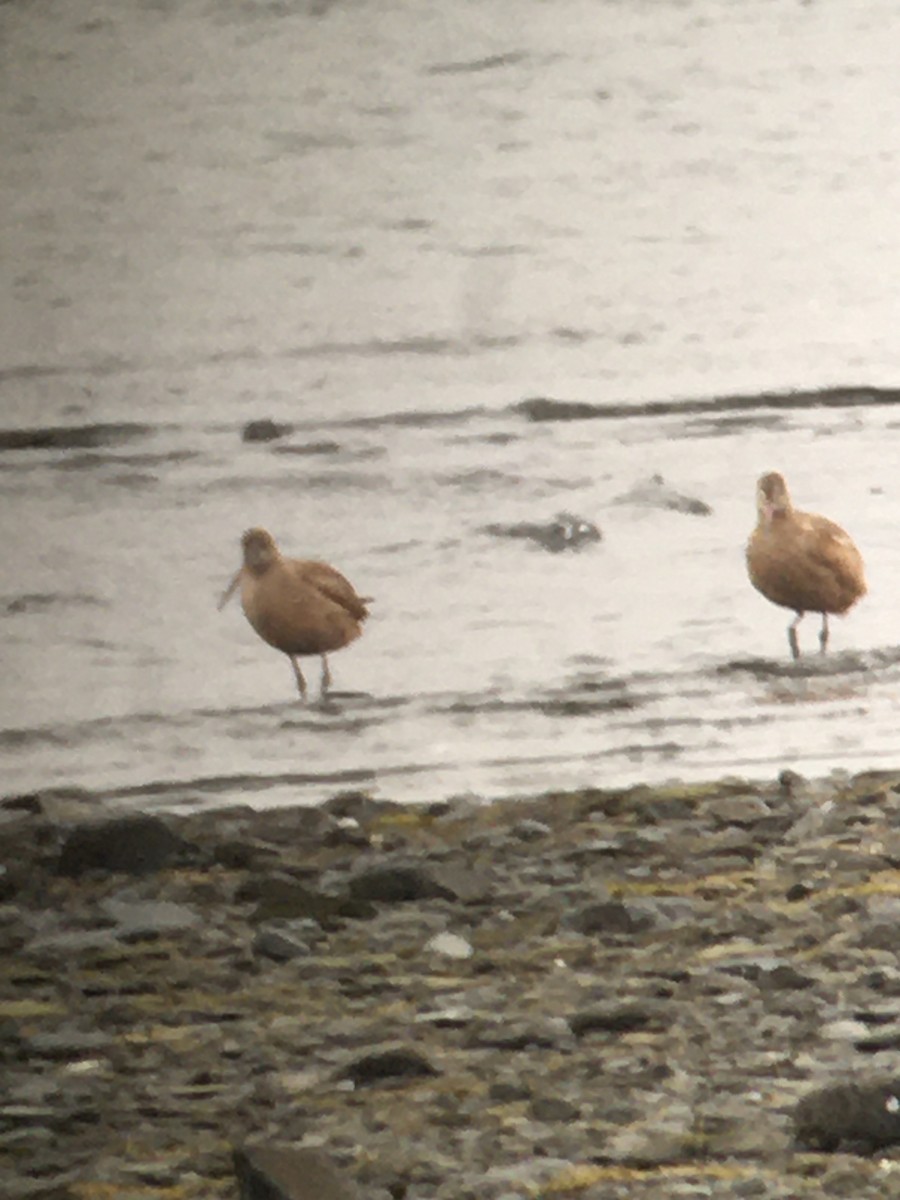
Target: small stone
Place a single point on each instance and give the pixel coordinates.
(451, 945)
(621, 1018)
(554, 1109)
(798, 891)
(610, 916)
(784, 977)
(392, 1063)
(286, 1173)
(738, 810)
(281, 944)
(530, 830)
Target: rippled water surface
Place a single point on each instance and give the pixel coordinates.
(488, 265)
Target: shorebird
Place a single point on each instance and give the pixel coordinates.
(297, 605)
(801, 561)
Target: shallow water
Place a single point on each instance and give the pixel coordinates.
(388, 227)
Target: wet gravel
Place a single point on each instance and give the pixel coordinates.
(660, 991)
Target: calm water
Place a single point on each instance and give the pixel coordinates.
(387, 225)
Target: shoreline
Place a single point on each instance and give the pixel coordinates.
(594, 993)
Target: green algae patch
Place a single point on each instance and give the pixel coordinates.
(737, 883)
(25, 1009)
(579, 1177)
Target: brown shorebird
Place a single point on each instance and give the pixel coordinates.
(297, 605)
(801, 560)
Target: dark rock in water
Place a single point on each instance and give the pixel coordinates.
(285, 1173)
(656, 493)
(71, 437)
(135, 845)
(564, 532)
(307, 448)
(543, 408)
(264, 430)
(27, 803)
(856, 1116)
(395, 1062)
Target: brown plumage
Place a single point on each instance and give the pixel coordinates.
(299, 606)
(800, 560)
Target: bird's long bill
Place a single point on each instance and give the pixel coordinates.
(230, 590)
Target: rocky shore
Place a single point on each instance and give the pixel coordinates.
(653, 992)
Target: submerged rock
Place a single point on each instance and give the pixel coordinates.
(265, 430)
(565, 531)
(656, 493)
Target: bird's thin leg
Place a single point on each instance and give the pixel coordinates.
(792, 635)
(298, 675)
(326, 677)
(823, 633)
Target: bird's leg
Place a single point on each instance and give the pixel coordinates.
(326, 677)
(792, 635)
(298, 675)
(823, 633)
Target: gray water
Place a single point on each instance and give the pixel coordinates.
(388, 225)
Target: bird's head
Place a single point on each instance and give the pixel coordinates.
(772, 497)
(260, 551)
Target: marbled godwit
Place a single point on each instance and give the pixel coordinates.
(801, 560)
(299, 606)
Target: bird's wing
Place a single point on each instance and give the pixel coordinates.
(834, 552)
(331, 583)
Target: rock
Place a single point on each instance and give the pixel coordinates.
(738, 810)
(554, 1108)
(282, 944)
(615, 1018)
(29, 802)
(288, 1173)
(656, 493)
(72, 437)
(450, 945)
(610, 916)
(68, 1043)
(263, 429)
(515, 1035)
(564, 532)
(280, 897)
(852, 1117)
(136, 845)
(398, 883)
(531, 830)
(784, 977)
(137, 920)
(395, 1062)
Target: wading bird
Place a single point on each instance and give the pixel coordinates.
(800, 560)
(297, 605)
